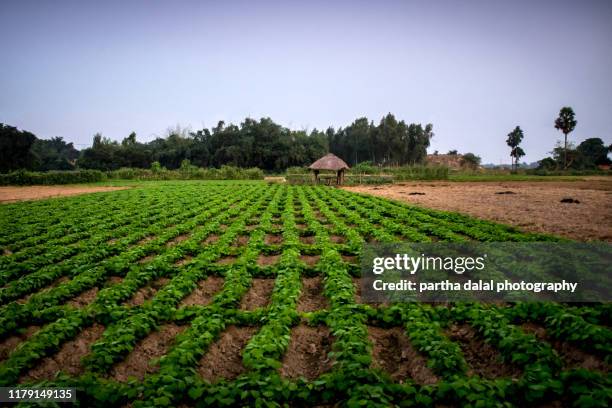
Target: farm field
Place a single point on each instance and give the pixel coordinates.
(532, 206)
(234, 294)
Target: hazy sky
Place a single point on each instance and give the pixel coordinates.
(475, 69)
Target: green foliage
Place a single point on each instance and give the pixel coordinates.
(592, 152)
(390, 143)
(15, 147)
(24, 178)
(514, 139)
(471, 160)
(566, 123)
(92, 238)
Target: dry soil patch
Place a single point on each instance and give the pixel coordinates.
(258, 294)
(12, 194)
(306, 355)
(139, 362)
(393, 353)
(534, 206)
(147, 292)
(68, 358)
(224, 358)
(205, 291)
(312, 297)
(483, 360)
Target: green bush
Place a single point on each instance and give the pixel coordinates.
(354, 179)
(187, 171)
(28, 178)
(568, 172)
(297, 170)
(303, 178)
(418, 173)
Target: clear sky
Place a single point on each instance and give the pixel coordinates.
(475, 69)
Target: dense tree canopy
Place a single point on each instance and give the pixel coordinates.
(254, 143)
(389, 143)
(15, 148)
(589, 154)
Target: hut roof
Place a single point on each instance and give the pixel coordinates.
(329, 162)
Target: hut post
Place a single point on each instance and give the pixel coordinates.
(316, 176)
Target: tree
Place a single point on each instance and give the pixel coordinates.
(54, 154)
(593, 152)
(452, 152)
(547, 163)
(514, 139)
(15, 147)
(517, 153)
(566, 122)
(471, 160)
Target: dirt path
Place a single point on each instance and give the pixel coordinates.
(531, 206)
(12, 194)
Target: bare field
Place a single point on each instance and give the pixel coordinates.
(12, 194)
(531, 206)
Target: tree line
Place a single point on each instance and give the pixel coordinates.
(254, 143)
(589, 154)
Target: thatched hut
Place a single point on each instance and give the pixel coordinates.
(330, 162)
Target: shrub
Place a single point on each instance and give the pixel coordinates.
(27, 178)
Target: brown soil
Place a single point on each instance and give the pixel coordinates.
(357, 284)
(258, 294)
(251, 227)
(55, 283)
(226, 260)
(184, 260)
(138, 363)
(211, 239)
(113, 280)
(534, 207)
(273, 239)
(483, 360)
(8, 345)
(224, 358)
(68, 358)
(84, 298)
(393, 353)
(310, 260)
(177, 240)
(572, 357)
(312, 297)
(306, 355)
(241, 240)
(309, 240)
(265, 260)
(350, 259)
(12, 194)
(147, 292)
(337, 239)
(143, 241)
(205, 291)
(147, 258)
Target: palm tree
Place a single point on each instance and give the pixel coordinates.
(566, 122)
